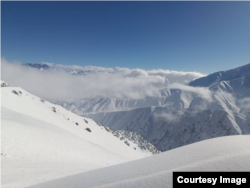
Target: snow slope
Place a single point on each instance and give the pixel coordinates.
(42, 141)
(230, 153)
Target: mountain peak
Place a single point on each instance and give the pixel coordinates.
(232, 74)
(37, 66)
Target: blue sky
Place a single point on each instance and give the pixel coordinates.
(183, 36)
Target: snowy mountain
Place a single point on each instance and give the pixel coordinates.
(183, 113)
(167, 128)
(235, 81)
(185, 117)
(226, 88)
(171, 98)
(178, 116)
(42, 67)
(42, 141)
(37, 66)
(219, 154)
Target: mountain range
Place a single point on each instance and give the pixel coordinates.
(200, 126)
(211, 106)
(184, 116)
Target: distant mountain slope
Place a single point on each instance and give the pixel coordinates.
(43, 141)
(37, 66)
(235, 81)
(228, 87)
(175, 99)
(171, 98)
(168, 128)
(42, 67)
(222, 76)
(183, 115)
(220, 154)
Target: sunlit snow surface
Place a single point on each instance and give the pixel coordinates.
(42, 141)
(231, 153)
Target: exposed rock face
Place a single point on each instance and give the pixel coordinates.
(167, 129)
(133, 137)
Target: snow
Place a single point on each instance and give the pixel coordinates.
(231, 153)
(42, 141)
(172, 98)
(235, 81)
(181, 116)
(4, 84)
(167, 128)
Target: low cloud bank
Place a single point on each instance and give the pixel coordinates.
(97, 82)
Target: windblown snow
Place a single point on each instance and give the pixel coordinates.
(42, 141)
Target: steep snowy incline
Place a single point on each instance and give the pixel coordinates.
(230, 153)
(42, 141)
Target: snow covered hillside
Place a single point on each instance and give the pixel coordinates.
(230, 153)
(42, 141)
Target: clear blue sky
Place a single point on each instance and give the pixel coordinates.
(188, 36)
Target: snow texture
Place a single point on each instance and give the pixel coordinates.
(230, 153)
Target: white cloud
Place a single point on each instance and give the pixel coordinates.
(176, 76)
(47, 63)
(244, 103)
(98, 81)
(200, 91)
(168, 116)
(92, 69)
